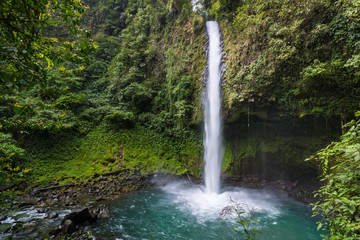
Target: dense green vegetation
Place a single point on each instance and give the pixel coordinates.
(38, 68)
(36, 36)
(142, 80)
(340, 196)
(97, 86)
(303, 55)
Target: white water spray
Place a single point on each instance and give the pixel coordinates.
(213, 126)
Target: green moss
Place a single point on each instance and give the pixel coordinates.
(227, 158)
(68, 158)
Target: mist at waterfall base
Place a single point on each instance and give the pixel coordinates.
(182, 210)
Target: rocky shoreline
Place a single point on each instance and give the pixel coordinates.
(70, 209)
(58, 204)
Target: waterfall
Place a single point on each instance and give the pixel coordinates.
(213, 126)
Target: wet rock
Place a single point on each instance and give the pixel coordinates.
(100, 198)
(102, 211)
(70, 203)
(26, 204)
(81, 217)
(33, 192)
(102, 178)
(38, 200)
(68, 227)
(83, 233)
(74, 222)
(52, 215)
(86, 229)
(42, 210)
(54, 202)
(89, 203)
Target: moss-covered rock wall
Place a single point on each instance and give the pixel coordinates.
(267, 145)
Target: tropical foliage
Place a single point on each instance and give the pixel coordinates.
(10, 154)
(144, 70)
(43, 47)
(301, 54)
(340, 195)
(29, 45)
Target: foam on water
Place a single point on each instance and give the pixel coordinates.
(185, 211)
(207, 206)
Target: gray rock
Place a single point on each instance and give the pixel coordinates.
(102, 211)
(68, 227)
(42, 210)
(52, 215)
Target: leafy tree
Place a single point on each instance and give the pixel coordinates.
(28, 44)
(9, 155)
(340, 196)
(43, 49)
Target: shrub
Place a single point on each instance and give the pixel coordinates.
(340, 196)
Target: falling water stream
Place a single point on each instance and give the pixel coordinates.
(181, 210)
(212, 140)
